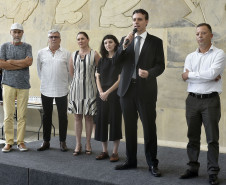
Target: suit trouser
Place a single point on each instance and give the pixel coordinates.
(208, 112)
(61, 103)
(9, 96)
(132, 105)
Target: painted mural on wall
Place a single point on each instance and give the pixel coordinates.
(112, 13)
(175, 13)
(67, 10)
(208, 11)
(17, 10)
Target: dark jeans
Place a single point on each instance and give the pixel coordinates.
(208, 112)
(131, 105)
(61, 103)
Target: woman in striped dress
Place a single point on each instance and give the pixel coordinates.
(82, 97)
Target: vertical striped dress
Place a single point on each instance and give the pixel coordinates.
(83, 89)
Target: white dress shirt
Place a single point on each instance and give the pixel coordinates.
(203, 70)
(53, 71)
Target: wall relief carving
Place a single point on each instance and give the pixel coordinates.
(113, 13)
(67, 10)
(18, 10)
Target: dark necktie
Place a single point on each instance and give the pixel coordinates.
(137, 51)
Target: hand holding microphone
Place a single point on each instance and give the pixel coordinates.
(129, 38)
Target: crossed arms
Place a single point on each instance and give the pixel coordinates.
(16, 64)
(202, 75)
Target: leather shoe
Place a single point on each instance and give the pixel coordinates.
(103, 155)
(189, 174)
(213, 179)
(114, 157)
(45, 146)
(63, 146)
(155, 171)
(125, 166)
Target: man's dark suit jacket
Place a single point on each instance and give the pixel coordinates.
(151, 58)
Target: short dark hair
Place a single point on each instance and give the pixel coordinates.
(205, 24)
(103, 50)
(142, 11)
(83, 33)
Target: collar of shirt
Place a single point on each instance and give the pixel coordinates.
(60, 49)
(143, 35)
(211, 48)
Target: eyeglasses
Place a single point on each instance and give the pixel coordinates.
(55, 37)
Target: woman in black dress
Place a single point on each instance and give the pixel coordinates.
(108, 105)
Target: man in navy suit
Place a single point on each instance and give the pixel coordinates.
(142, 58)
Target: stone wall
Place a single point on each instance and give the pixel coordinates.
(173, 21)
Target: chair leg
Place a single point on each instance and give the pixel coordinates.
(53, 130)
(2, 131)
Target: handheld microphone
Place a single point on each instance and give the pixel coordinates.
(127, 40)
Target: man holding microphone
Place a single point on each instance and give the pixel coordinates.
(142, 58)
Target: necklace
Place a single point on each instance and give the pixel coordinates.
(83, 54)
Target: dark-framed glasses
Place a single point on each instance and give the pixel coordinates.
(54, 37)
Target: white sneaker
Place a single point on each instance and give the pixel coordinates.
(22, 148)
(6, 150)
